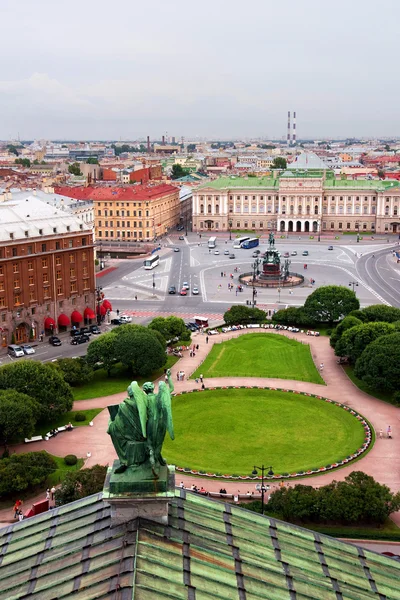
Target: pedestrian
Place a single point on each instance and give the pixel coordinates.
(381, 433)
(197, 346)
(48, 494)
(389, 432)
(222, 274)
(20, 516)
(321, 366)
(53, 491)
(135, 297)
(177, 376)
(201, 378)
(183, 375)
(236, 291)
(16, 508)
(206, 339)
(203, 387)
(181, 485)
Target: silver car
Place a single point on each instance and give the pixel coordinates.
(27, 349)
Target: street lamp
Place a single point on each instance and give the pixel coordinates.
(358, 231)
(230, 228)
(154, 283)
(263, 488)
(319, 229)
(354, 284)
(255, 273)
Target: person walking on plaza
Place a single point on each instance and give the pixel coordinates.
(201, 378)
(389, 432)
(206, 339)
(321, 366)
(17, 505)
(381, 433)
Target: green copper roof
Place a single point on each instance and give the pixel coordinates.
(371, 184)
(208, 551)
(241, 182)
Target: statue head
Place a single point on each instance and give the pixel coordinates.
(148, 387)
(130, 389)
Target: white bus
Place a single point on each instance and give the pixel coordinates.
(151, 262)
(212, 242)
(238, 243)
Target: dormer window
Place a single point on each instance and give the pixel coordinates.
(68, 228)
(40, 231)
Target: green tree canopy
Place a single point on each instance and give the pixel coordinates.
(78, 484)
(381, 312)
(241, 315)
(354, 340)
(18, 413)
(169, 327)
(41, 382)
(76, 371)
(101, 351)
(92, 160)
(191, 147)
(178, 171)
(279, 163)
(12, 149)
(379, 364)
(139, 349)
(75, 169)
(330, 303)
(292, 316)
(347, 323)
(25, 162)
(21, 472)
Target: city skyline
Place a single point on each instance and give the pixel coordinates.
(90, 73)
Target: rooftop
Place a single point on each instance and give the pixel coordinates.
(308, 160)
(208, 551)
(241, 182)
(132, 192)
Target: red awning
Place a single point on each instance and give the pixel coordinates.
(76, 317)
(101, 310)
(49, 323)
(89, 314)
(107, 305)
(63, 320)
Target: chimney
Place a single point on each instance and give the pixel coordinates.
(148, 144)
(163, 140)
(288, 128)
(294, 128)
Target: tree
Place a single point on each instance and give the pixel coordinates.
(292, 317)
(178, 171)
(76, 371)
(12, 149)
(25, 162)
(381, 174)
(18, 413)
(139, 349)
(381, 312)
(41, 382)
(23, 471)
(356, 339)
(78, 484)
(241, 315)
(101, 351)
(92, 160)
(74, 169)
(191, 147)
(379, 364)
(279, 163)
(330, 303)
(169, 327)
(387, 147)
(347, 323)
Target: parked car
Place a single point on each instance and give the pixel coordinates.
(116, 322)
(195, 291)
(181, 237)
(172, 289)
(125, 319)
(85, 331)
(330, 247)
(305, 252)
(193, 324)
(94, 329)
(176, 250)
(15, 351)
(180, 228)
(286, 255)
(54, 340)
(216, 252)
(27, 349)
(232, 255)
(183, 292)
(80, 339)
(293, 253)
(74, 332)
(185, 285)
(226, 252)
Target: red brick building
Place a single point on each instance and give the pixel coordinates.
(47, 279)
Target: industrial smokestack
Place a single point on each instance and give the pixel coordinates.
(294, 128)
(163, 140)
(288, 128)
(148, 144)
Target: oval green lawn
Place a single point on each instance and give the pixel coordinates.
(260, 355)
(229, 431)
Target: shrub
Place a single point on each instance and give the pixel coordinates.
(396, 398)
(76, 371)
(70, 459)
(21, 472)
(80, 416)
(78, 484)
(241, 315)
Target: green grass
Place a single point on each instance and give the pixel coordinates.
(102, 385)
(260, 355)
(385, 396)
(43, 428)
(229, 431)
(62, 469)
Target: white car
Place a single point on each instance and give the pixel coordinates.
(216, 251)
(125, 319)
(226, 252)
(27, 349)
(185, 285)
(195, 291)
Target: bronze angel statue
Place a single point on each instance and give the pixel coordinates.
(139, 424)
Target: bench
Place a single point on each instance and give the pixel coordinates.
(36, 438)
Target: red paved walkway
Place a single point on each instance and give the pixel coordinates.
(383, 461)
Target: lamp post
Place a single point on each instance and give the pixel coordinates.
(263, 488)
(354, 284)
(358, 231)
(230, 229)
(319, 229)
(154, 282)
(255, 273)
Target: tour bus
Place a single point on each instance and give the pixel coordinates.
(212, 242)
(238, 243)
(251, 243)
(151, 262)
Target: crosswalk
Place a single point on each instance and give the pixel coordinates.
(182, 315)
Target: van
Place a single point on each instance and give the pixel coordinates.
(15, 351)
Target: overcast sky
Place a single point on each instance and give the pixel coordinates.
(95, 69)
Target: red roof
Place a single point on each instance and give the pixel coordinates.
(134, 192)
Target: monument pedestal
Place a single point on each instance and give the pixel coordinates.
(137, 493)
